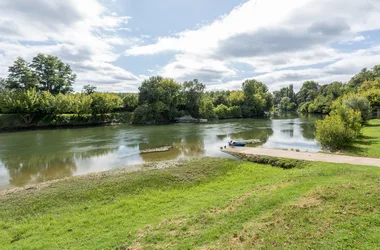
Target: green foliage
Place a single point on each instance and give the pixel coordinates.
(143, 115)
(273, 161)
(287, 105)
(24, 102)
(236, 98)
(162, 97)
(21, 76)
(3, 85)
(131, 101)
(192, 93)
(221, 111)
(206, 109)
(235, 112)
(88, 89)
(257, 100)
(351, 118)
(52, 74)
(333, 133)
(356, 103)
(373, 96)
(308, 92)
(365, 75)
(103, 103)
(45, 73)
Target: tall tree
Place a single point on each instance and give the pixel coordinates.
(2, 85)
(192, 92)
(52, 74)
(161, 96)
(308, 92)
(88, 89)
(21, 76)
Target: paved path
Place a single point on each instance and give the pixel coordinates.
(306, 156)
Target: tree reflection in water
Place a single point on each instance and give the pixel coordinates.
(36, 156)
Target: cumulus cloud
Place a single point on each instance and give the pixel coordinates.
(80, 32)
(274, 38)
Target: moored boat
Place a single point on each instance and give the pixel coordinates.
(236, 144)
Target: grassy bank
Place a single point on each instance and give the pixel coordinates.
(207, 203)
(368, 144)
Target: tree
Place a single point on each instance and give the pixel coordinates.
(21, 76)
(131, 101)
(360, 104)
(308, 92)
(206, 109)
(26, 103)
(221, 99)
(52, 74)
(236, 98)
(257, 100)
(162, 95)
(2, 85)
(103, 103)
(333, 134)
(221, 111)
(88, 89)
(192, 92)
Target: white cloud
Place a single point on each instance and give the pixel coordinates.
(270, 36)
(80, 32)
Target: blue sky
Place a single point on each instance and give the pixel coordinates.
(116, 44)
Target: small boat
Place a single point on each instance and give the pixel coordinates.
(236, 144)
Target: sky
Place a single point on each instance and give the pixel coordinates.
(116, 44)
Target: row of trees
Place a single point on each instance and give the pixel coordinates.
(350, 109)
(45, 86)
(316, 98)
(162, 100)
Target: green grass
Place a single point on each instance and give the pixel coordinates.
(368, 144)
(203, 204)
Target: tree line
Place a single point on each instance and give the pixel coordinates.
(44, 86)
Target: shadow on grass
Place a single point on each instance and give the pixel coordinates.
(361, 144)
(372, 125)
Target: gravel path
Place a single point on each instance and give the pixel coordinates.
(320, 157)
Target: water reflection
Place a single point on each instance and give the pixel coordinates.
(36, 156)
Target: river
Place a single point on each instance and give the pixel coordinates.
(41, 155)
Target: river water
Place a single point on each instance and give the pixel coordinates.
(36, 156)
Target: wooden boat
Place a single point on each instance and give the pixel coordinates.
(236, 144)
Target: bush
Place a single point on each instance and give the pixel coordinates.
(221, 111)
(103, 103)
(235, 111)
(333, 133)
(206, 109)
(142, 115)
(360, 104)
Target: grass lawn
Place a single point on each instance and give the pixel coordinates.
(369, 143)
(207, 203)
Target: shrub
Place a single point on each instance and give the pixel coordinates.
(103, 103)
(273, 161)
(142, 115)
(359, 103)
(333, 133)
(351, 118)
(206, 109)
(235, 111)
(221, 111)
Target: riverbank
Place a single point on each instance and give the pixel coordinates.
(203, 203)
(18, 122)
(368, 144)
